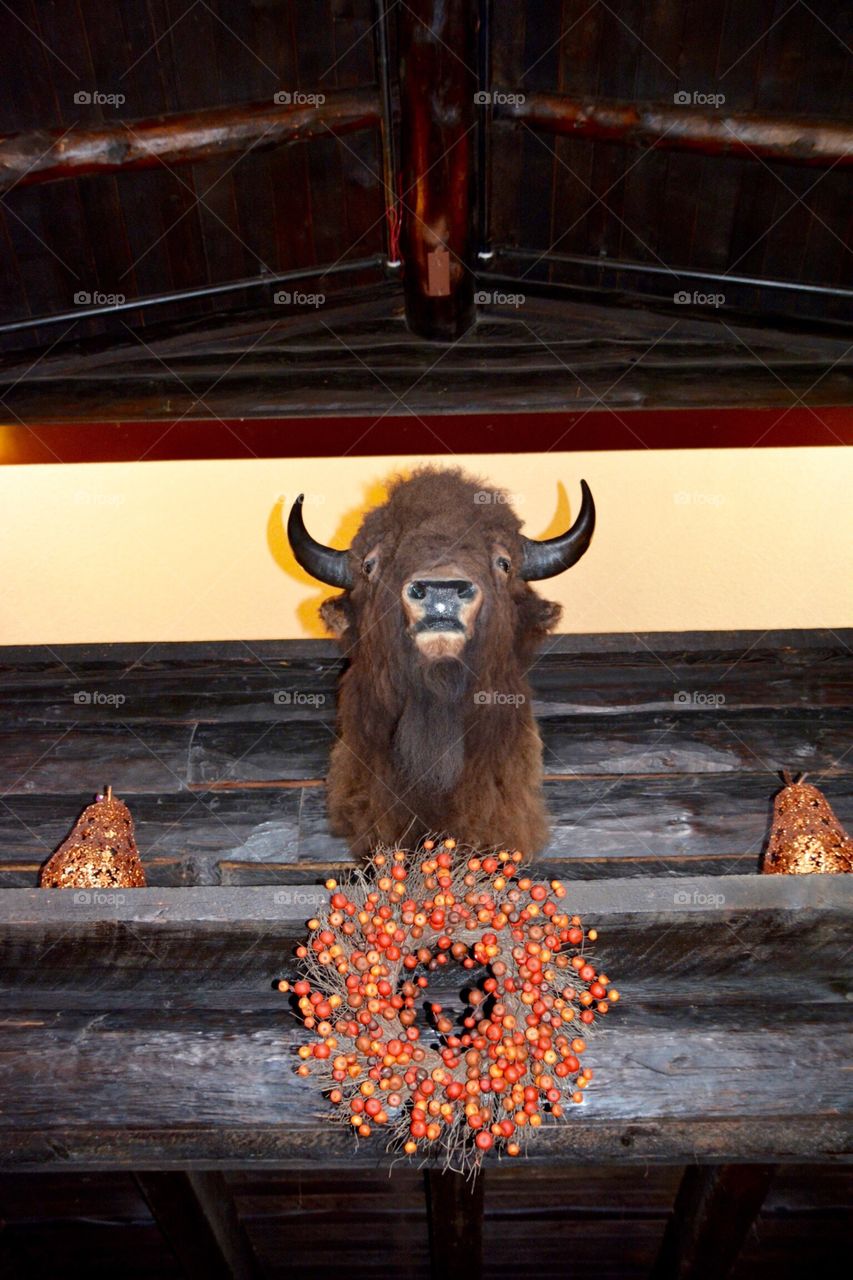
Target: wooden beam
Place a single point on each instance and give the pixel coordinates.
(395, 434)
(715, 1207)
(455, 1217)
(197, 1216)
(144, 1029)
(437, 86)
(50, 155)
(11, 1264)
(675, 127)
(311, 1142)
(137, 948)
(531, 356)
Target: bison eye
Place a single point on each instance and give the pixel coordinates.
(368, 565)
(503, 563)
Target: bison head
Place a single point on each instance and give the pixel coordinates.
(439, 621)
(442, 559)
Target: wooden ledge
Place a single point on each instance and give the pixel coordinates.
(146, 1030)
(288, 906)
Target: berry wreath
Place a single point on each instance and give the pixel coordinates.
(450, 1089)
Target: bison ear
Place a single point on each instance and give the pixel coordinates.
(337, 614)
(538, 614)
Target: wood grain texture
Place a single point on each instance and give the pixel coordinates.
(60, 154)
(139, 757)
(544, 355)
(234, 943)
(713, 1213)
(225, 1094)
(455, 1216)
(197, 1216)
(661, 752)
(805, 141)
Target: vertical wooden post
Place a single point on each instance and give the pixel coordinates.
(197, 1215)
(455, 1213)
(715, 1207)
(437, 53)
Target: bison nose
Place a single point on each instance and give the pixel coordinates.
(442, 593)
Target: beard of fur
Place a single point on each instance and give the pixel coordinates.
(417, 724)
(428, 747)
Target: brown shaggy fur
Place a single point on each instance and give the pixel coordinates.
(418, 751)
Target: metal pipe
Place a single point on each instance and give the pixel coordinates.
(649, 268)
(389, 158)
(182, 295)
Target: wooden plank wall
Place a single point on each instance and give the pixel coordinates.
(662, 752)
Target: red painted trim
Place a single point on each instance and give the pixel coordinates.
(433, 434)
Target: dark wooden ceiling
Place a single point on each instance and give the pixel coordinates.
(594, 1221)
(615, 205)
(598, 220)
(173, 229)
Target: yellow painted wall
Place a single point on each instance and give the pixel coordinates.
(693, 540)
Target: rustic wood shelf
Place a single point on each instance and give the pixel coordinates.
(145, 1031)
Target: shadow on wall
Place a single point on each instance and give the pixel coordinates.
(374, 495)
(309, 610)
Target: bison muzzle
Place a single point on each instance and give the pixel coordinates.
(440, 626)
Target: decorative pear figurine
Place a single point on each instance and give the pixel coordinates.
(805, 835)
(100, 852)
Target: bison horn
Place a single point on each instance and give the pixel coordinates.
(545, 559)
(323, 563)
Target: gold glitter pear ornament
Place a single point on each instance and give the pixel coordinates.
(100, 853)
(805, 835)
